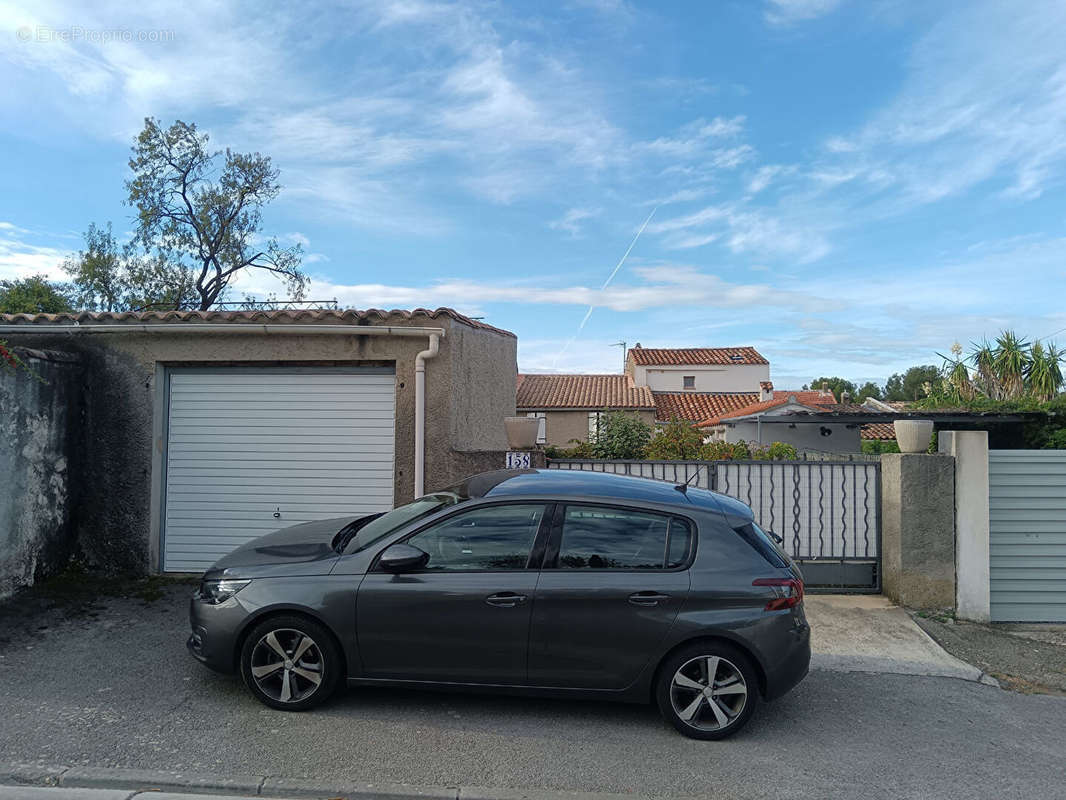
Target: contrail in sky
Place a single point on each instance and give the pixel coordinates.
(606, 283)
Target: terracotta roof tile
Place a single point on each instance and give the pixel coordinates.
(536, 392)
(281, 316)
(656, 356)
(878, 430)
(817, 398)
(694, 406)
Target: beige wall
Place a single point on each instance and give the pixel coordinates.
(562, 426)
(720, 378)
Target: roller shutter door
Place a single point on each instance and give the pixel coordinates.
(245, 445)
(1027, 535)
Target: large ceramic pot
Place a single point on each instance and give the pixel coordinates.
(913, 435)
(521, 432)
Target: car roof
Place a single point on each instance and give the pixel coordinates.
(586, 483)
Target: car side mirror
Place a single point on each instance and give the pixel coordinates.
(403, 558)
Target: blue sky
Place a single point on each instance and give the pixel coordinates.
(849, 186)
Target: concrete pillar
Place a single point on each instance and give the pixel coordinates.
(918, 529)
(970, 450)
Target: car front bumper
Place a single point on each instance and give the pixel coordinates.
(215, 631)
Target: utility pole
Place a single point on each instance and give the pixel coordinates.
(622, 344)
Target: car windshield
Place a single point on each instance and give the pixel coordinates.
(398, 517)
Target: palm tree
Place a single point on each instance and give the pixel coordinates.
(1011, 357)
(983, 357)
(1043, 375)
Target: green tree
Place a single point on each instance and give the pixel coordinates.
(678, 440)
(868, 389)
(199, 214)
(620, 435)
(911, 384)
(34, 295)
(836, 385)
(97, 272)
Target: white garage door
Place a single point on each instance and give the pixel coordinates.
(253, 450)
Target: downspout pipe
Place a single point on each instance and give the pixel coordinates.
(434, 335)
(420, 412)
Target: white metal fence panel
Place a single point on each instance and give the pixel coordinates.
(253, 450)
(1027, 535)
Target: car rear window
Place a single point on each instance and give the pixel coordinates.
(761, 542)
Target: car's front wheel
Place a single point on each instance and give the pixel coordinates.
(290, 662)
(707, 690)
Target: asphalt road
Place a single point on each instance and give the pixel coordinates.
(118, 690)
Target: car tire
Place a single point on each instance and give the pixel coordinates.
(283, 657)
(681, 690)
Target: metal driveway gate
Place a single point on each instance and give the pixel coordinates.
(827, 512)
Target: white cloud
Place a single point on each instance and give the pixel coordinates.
(785, 12)
(572, 219)
(21, 259)
(983, 101)
(694, 137)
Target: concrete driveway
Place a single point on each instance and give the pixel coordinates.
(118, 690)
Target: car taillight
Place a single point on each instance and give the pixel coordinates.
(788, 591)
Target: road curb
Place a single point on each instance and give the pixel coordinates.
(186, 781)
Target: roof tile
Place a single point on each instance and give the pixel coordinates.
(693, 406)
(535, 392)
(280, 316)
(656, 356)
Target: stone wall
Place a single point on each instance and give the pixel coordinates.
(40, 413)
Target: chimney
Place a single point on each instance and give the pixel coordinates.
(766, 391)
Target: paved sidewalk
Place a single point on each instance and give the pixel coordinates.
(867, 633)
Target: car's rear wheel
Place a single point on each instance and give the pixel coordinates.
(290, 662)
(707, 690)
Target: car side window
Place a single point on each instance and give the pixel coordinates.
(488, 539)
(599, 537)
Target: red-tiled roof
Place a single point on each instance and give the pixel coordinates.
(537, 392)
(805, 396)
(756, 408)
(656, 356)
(281, 316)
(878, 430)
(693, 406)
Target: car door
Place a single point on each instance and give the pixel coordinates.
(613, 583)
(464, 617)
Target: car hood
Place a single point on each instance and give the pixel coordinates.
(300, 550)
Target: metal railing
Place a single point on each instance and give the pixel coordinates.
(827, 512)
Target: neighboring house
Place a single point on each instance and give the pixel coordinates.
(203, 430)
(879, 431)
(569, 406)
(804, 433)
(697, 369)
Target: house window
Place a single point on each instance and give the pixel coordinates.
(688, 382)
(594, 424)
(542, 431)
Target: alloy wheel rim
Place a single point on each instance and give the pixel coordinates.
(287, 665)
(708, 693)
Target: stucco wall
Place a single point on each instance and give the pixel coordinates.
(805, 436)
(39, 415)
(918, 529)
(469, 390)
(724, 378)
(563, 426)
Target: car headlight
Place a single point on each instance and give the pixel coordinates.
(215, 592)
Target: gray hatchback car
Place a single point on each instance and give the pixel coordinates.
(531, 581)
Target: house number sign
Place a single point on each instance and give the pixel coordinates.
(518, 459)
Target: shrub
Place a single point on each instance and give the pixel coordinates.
(775, 451)
(621, 435)
(878, 446)
(676, 441)
(725, 451)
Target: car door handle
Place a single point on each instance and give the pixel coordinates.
(505, 599)
(647, 598)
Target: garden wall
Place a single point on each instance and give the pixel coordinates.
(39, 419)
